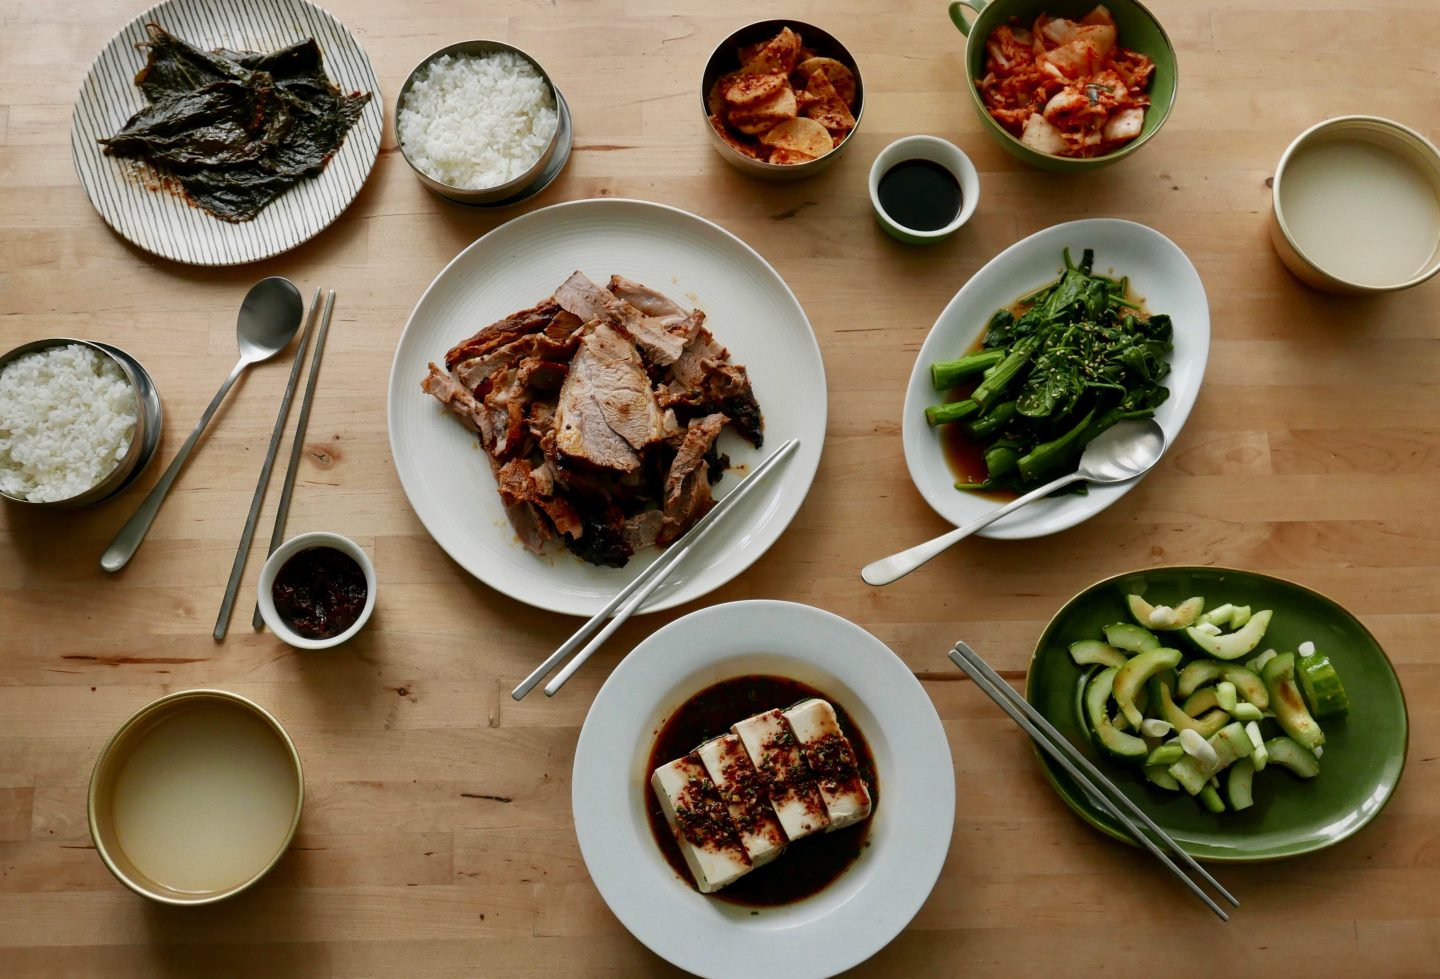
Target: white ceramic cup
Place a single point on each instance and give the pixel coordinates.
(265, 587)
(936, 150)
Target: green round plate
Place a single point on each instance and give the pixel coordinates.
(1364, 752)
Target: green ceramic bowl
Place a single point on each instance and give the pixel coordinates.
(1364, 752)
(1137, 29)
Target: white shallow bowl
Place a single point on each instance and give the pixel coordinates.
(872, 901)
(1159, 273)
(749, 308)
(264, 594)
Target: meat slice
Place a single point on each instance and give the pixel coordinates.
(519, 483)
(452, 394)
(533, 320)
(703, 379)
(645, 299)
(582, 297)
(687, 484)
(607, 409)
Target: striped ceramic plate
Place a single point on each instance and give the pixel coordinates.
(163, 223)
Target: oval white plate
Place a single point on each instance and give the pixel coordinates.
(164, 223)
(1159, 272)
(870, 903)
(749, 309)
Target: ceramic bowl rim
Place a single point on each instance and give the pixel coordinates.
(314, 538)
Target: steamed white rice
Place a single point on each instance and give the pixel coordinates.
(67, 415)
(477, 121)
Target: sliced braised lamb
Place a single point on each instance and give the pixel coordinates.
(599, 409)
(607, 409)
(687, 484)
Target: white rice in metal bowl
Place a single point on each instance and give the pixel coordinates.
(67, 415)
(477, 121)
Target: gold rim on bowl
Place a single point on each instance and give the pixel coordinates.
(1393, 135)
(136, 725)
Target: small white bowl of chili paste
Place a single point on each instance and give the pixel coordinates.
(317, 590)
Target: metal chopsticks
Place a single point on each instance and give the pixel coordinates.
(1053, 743)
(633, 595)
(227, 604)
(282, 510)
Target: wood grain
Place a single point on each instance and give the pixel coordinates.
(437, 837)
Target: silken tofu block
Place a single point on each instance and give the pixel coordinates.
(743, 788)
(774, 751)
(831, 760)
(701, 823)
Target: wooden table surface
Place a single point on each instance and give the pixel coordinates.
(437, 837)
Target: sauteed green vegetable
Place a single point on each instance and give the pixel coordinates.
(1056, 369)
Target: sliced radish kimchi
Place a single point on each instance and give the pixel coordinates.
(1064, 87)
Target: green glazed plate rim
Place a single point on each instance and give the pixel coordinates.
(1203, 853)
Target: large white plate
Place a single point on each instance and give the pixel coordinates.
(1158, 271)
(163, 223)
(748, 307)
(871, 902)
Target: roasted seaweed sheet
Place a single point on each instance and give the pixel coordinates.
(236, 129)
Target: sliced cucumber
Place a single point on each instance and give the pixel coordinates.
(1246, 712)
(1204, 726)
(1226, 696)
(1201, 700)
(1238, 784)
(1097, 698)
(1247, 683)
(1239, 616)
(1090, 652)
(1257, 665)
(1197, 674)
(1291, 754)
(1233, 645)
(1323, 690)
(1210, 798)
(1231, 743)
(1260, 755)
(1130, 637)
(1142, 701)
(1219, 615)
(1131, 678)
(1287, 703)
(1166, 754)
(1158, 776)
(1181, 616)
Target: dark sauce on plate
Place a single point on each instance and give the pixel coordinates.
(808, 866)
(965, 457)
(320, 592)
(920, 194)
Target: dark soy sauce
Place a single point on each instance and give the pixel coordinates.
(920, 194)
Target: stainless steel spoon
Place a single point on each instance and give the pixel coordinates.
(269, 317)
(1124, 451)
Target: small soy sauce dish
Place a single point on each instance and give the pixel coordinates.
(923, 189)
(317, 590)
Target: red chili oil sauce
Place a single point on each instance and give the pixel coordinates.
(809, 865)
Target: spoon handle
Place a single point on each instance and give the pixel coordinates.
(128, 540)
(897, 566)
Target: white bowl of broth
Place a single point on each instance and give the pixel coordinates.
(1356, 206)
(923, 189)
(196, 797)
